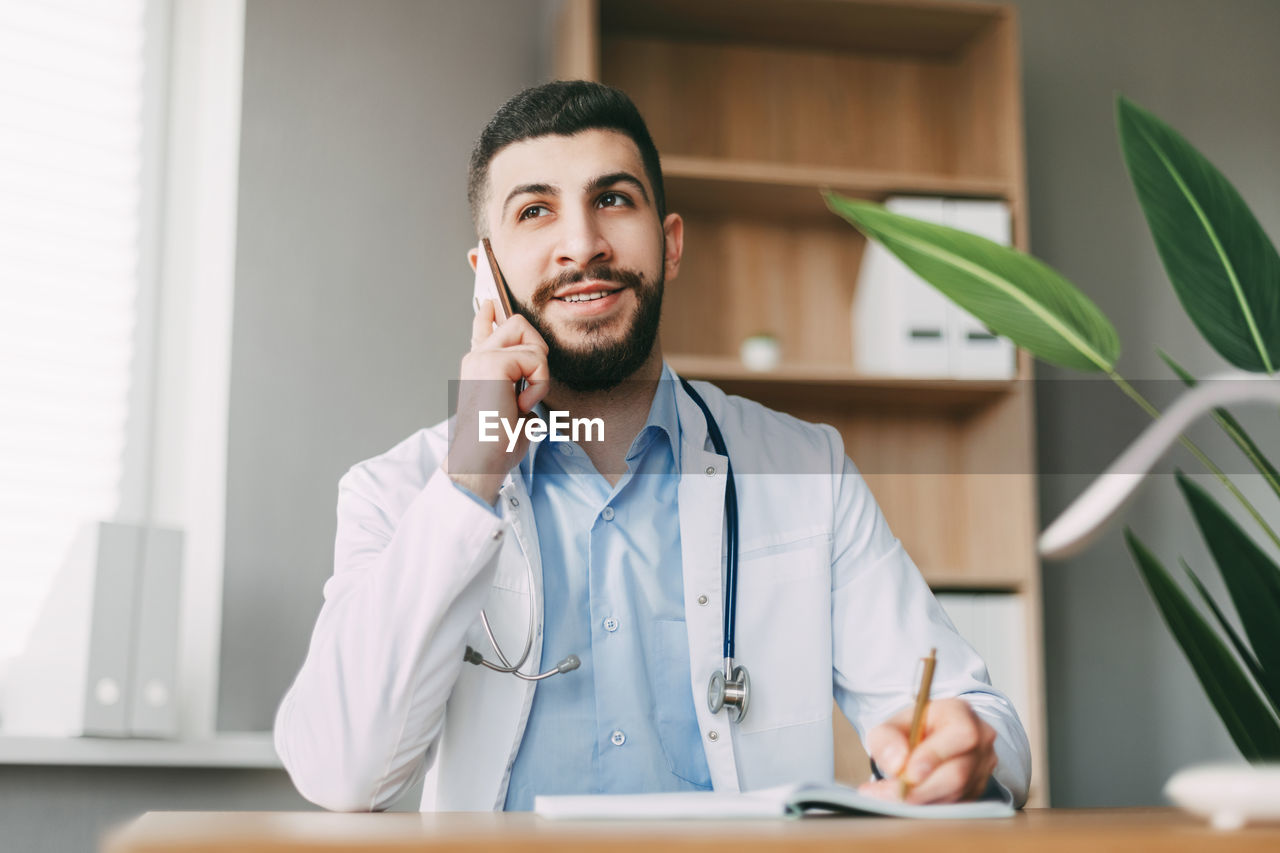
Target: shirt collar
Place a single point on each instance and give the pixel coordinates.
(663, 420)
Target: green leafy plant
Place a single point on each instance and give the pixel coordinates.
(1226, 274)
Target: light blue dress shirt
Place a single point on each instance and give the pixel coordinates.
(611, 573)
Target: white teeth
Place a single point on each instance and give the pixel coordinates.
(585, 297)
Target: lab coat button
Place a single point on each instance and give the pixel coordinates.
(702, 599)
(713, 736)
(497, 534)
(711, 470)
(607, 513)
(515, 502)
(611, 624)
(618, 737)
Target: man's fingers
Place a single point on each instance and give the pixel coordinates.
(948, 783)
(482, 324)
(962, 778)
(524, 362)
(952, 730)
(534, 392)
(514, 331)
(887, 744)
(881, 789)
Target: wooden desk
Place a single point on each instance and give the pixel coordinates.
(1065, 830)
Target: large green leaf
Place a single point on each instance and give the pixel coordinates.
(1014, 294)
(1223, 268)
(1268, 681)
(1248, 720)
(1252, 579)
(1232, 428)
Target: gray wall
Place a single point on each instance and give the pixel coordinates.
(1125, 709)
(352, 288)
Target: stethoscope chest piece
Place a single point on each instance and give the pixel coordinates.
(732, 692)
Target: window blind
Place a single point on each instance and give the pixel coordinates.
(71, 132)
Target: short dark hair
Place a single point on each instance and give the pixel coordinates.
(562, 108)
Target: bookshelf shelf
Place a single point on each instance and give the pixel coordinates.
(708, 185)
(842, 386)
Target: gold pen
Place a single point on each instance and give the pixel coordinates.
(917, 719)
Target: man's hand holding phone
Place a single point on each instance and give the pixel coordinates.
(499, 358)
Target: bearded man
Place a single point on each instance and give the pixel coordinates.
(515, 618)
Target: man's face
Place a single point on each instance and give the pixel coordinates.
(576, 233)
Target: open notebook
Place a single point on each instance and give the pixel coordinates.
(788, 800)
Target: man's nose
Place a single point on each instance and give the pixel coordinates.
(582, 241)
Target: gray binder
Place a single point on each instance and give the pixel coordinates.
(153, 702)
(73, 678)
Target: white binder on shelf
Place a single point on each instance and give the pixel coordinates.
(73, 677)
(974, 351)
(153, 699)
(903, 326)
(899, 321)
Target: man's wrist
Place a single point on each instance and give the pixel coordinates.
(483, 486)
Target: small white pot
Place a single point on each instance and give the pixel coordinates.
(1229, 795)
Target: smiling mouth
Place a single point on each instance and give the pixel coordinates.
(586, 297)
(590, 293)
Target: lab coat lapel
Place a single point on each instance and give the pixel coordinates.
(702, 546)
(517, 507)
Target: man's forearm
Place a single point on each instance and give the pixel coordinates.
(369, 701)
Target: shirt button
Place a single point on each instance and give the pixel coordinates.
(515, 502)
(713, 736)
(618, 737)
(702, 599)
(611, 624)
(607, 513)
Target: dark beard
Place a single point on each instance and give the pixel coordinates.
(599, 365)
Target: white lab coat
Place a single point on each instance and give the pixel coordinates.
(829, 604)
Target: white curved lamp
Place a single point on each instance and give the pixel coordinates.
(1106, 496)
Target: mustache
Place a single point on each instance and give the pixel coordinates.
(546, 291)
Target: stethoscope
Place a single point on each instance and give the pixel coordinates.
(730, 688)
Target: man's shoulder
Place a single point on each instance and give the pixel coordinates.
(409, 464)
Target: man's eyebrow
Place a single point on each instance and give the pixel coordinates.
(598, 183)
(529, 189)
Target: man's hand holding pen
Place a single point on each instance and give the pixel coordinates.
(953, 761)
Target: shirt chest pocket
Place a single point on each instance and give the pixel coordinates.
(784, 632)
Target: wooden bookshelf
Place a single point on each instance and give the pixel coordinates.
(758, 105)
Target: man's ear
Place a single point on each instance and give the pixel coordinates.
(673, 230)
(472, 256)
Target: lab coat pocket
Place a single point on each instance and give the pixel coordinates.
(784, 633)
(675, 716)
(510, 619)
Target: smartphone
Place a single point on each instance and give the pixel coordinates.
(491, 285)
(489, 282)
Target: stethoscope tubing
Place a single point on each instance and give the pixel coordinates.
(731, 521)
